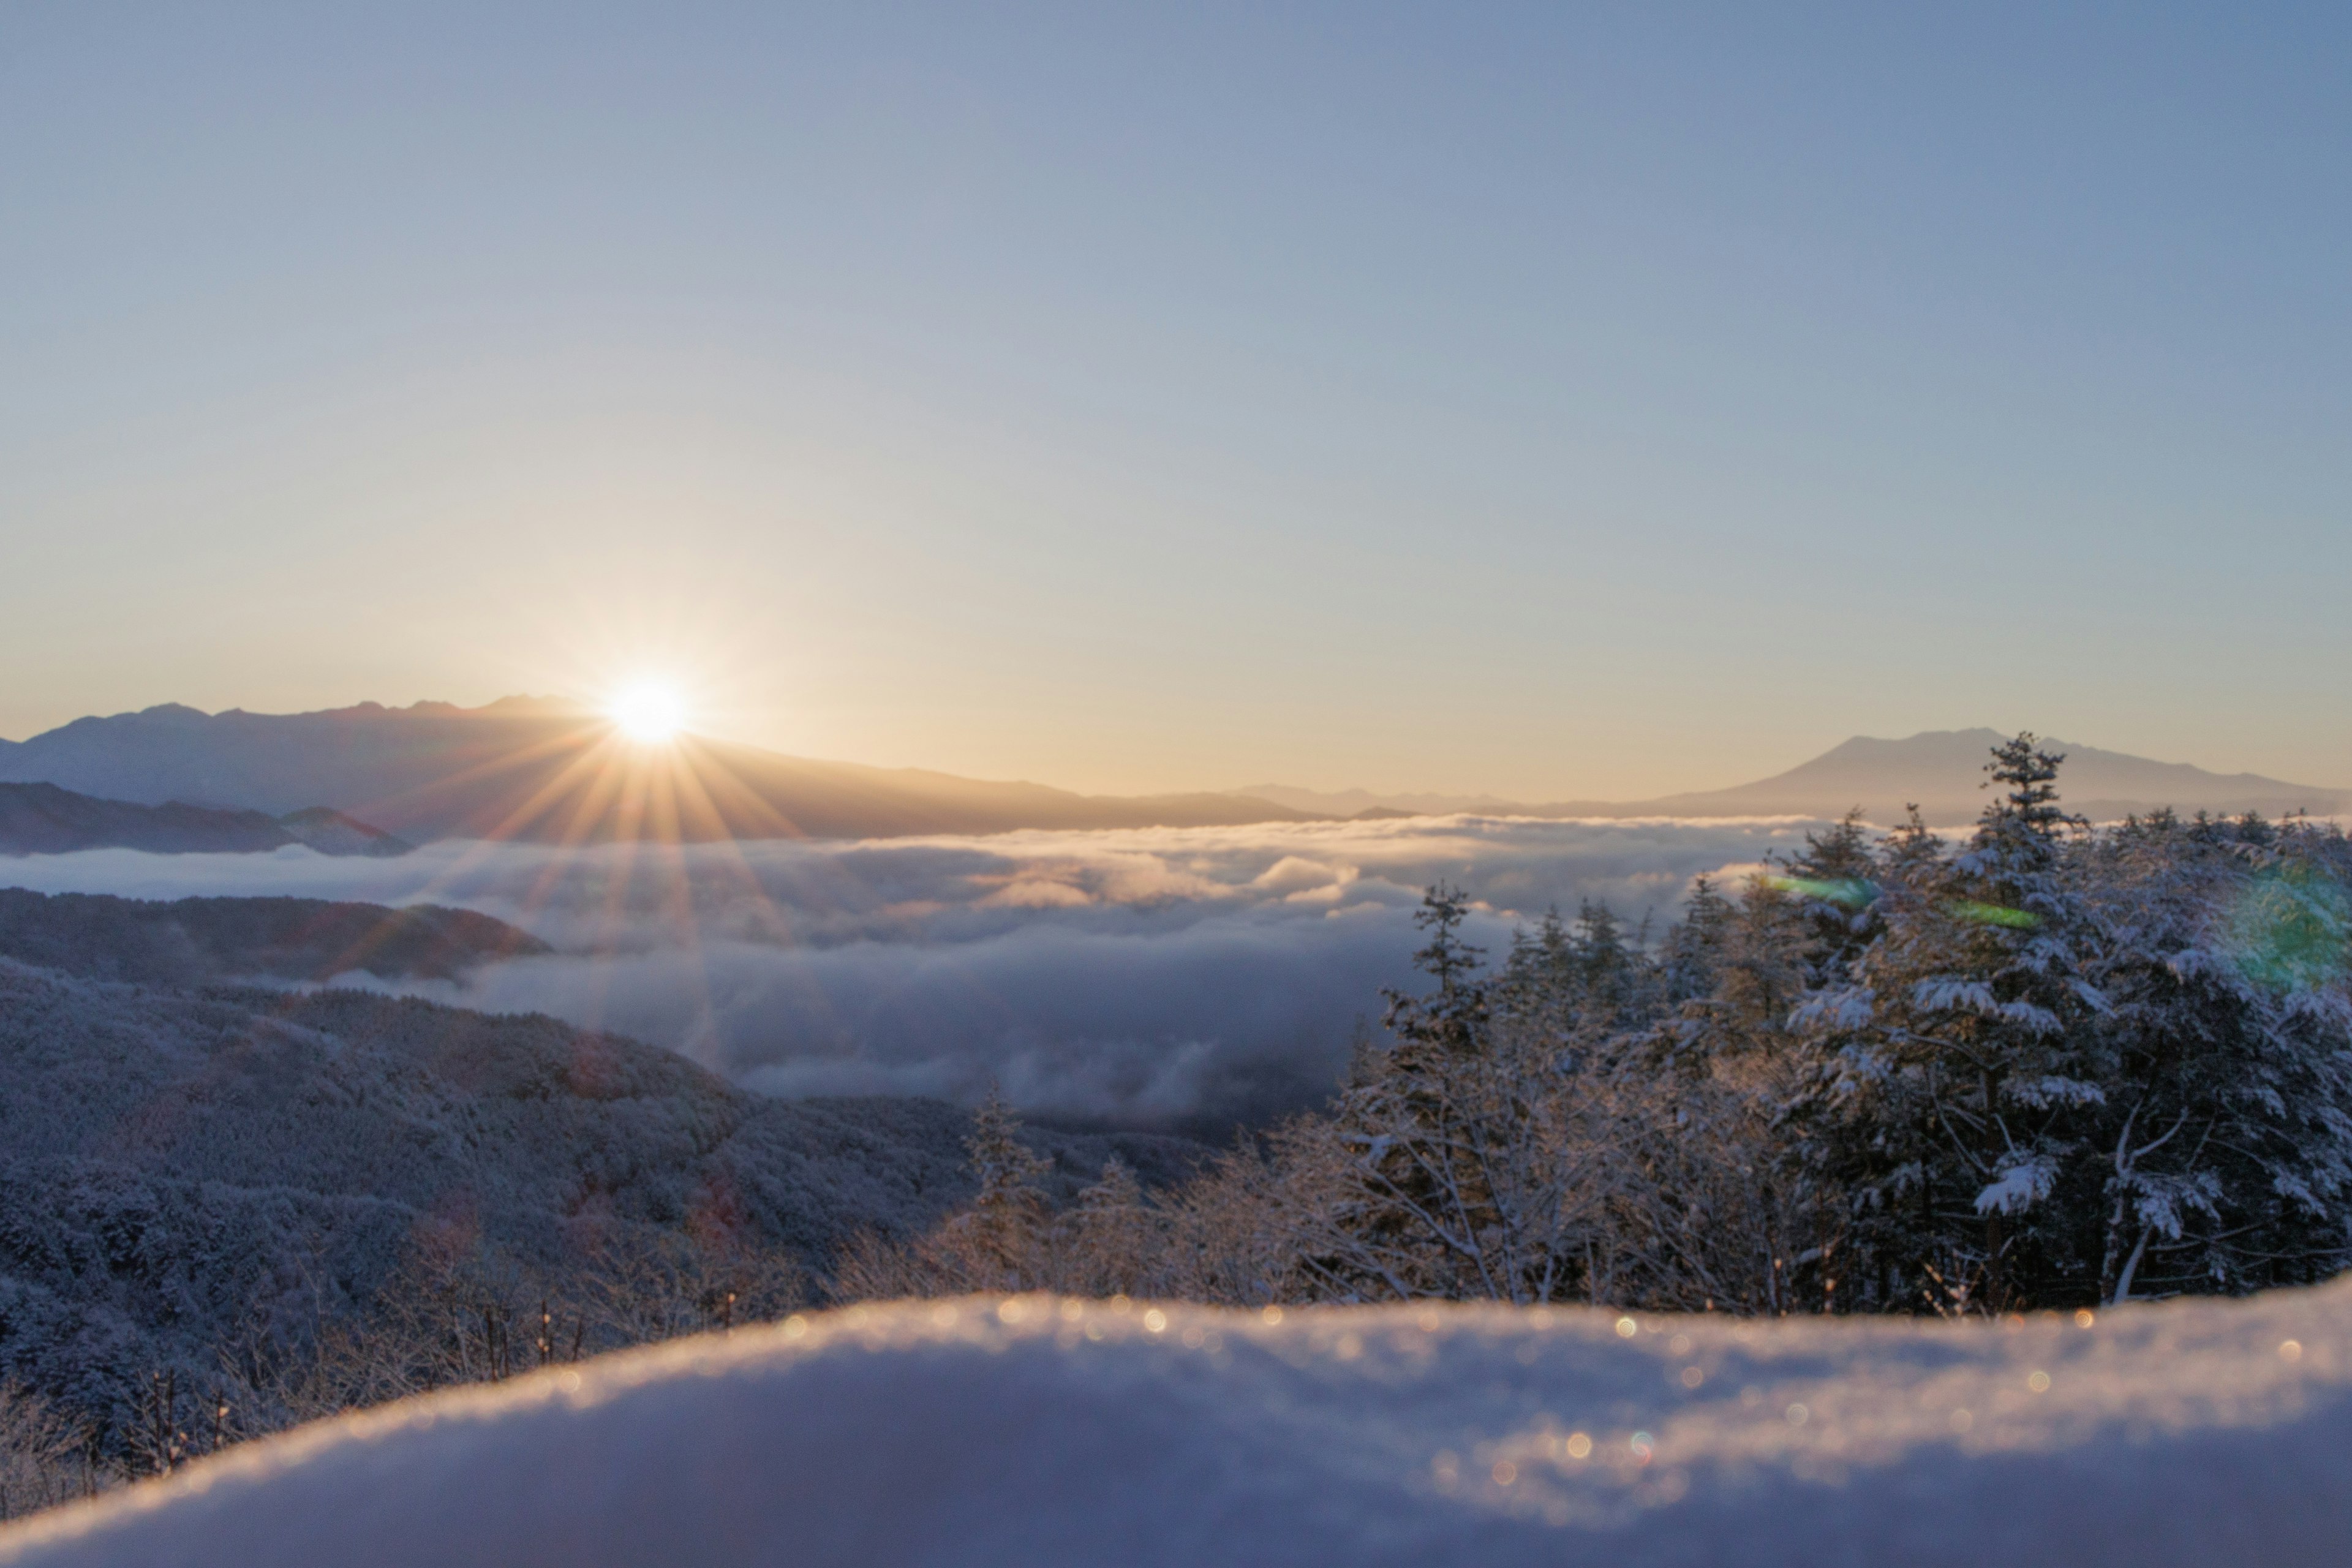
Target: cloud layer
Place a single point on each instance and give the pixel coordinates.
(1169, 976)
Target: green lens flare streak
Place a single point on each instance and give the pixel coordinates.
(1993, 914)
(1853, 892)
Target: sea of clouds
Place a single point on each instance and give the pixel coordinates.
(1179, 977)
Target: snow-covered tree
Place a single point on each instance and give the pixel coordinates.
(44, 1453)
(1110, 1242)
(2224, 1158)
(1959, 1073)
(1002, 1222)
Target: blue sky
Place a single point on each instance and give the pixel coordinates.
(1556, 401)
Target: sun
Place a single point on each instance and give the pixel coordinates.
(647, 712)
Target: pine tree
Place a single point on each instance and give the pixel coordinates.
(1691, 955)
(2226, 1160)
(1956, 1074)
(1109, 1239)
(1836, 880)
(1002, 1222)
(1411, 1225)
(1454, 1166)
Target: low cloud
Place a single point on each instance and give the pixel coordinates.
(1176, 977)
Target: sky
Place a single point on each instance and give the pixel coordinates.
(1551, 401)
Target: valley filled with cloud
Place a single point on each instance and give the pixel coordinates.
(1172, 977)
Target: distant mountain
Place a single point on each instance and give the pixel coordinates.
(43, 820)
(535, 770)
(542, 771)
(197, 941)
(1402, 802)
(1939, 770)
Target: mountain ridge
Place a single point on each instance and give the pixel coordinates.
(548, 769)
(543, 770)
(1938, 770)
(42, 818)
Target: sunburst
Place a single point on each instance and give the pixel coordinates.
(648, 711)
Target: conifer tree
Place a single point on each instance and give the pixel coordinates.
(1110, 1239)
(1003, 1218)
(1960, 1067)
(2225, 1159)
(1836, 882)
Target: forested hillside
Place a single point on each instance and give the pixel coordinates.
(196, 1188)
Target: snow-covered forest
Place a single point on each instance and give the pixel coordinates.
(2046, 1067)
(2040, 1066)
(225, 1211)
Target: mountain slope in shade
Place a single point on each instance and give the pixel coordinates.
(43, 820)
(1939, 770)
(527, 768)
(197, 941)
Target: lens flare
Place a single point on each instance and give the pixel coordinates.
(1853, 892)
(1859, 893)
(1993, 914)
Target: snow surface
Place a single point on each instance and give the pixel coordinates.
(1031, 1431)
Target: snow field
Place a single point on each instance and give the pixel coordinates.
(1029, 1430)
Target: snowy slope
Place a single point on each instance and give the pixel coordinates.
(985, 1432)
